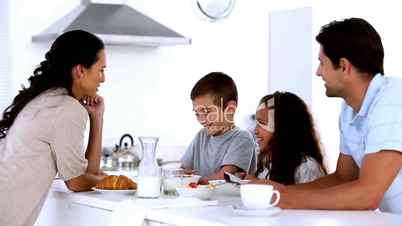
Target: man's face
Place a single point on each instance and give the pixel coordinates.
(331, 76)
(209, 115)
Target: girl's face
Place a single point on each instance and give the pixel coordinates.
(262, 135)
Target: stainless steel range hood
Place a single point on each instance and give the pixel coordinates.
(115, 23)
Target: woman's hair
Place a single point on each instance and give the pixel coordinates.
(68, 50)
(294, 139)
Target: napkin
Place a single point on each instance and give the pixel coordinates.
(133, 211)
(127, 213)
(176, 202)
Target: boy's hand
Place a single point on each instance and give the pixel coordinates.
(241, 175)
(190, 171)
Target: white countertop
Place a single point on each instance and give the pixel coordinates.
(222, 214)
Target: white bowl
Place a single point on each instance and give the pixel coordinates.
(171, 183)
(204, 192)
(224, 188)
(228, 189)
(217, 182)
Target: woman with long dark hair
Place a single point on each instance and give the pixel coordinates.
(42, 131)
(289, 149)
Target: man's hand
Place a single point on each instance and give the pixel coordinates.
(277, 186)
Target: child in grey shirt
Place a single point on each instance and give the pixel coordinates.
(220, 146)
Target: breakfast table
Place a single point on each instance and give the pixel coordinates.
(65, 208)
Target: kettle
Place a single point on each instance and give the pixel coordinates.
(125, 157)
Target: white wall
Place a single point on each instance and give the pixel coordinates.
(5, 61)
(290, 63)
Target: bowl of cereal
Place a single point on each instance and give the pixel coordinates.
(195, 190)
(173, 179)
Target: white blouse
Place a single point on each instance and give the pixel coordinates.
(307, 171)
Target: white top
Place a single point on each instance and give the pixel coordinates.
(46, 138)
(377, 126)
(307, 171)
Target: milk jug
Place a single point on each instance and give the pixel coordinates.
(149, 173)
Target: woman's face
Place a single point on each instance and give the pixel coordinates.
(91, 78)
(262, 135)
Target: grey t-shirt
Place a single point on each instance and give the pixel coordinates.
(208, 154)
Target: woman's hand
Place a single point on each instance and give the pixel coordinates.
(94, 105)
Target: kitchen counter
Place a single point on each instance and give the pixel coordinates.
(91, 208)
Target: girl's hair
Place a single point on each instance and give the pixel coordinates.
(294, 139)
(68, 50)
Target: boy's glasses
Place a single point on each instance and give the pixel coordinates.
(204, 111)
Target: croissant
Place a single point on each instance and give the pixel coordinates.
(114, 182)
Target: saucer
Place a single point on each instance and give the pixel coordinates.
(241, 210)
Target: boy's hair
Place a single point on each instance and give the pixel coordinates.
(217, 84)
(356, 40)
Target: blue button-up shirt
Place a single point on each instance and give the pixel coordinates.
(377, 126)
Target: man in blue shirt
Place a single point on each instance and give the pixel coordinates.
(368, 174)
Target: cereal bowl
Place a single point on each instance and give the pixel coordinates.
(171, 183)
(203, 192)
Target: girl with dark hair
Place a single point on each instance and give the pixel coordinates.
(289, 148)
(42, 131)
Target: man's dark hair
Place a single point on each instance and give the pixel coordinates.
(356, 40)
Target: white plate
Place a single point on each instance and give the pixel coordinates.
(107, 191)
(241, 210)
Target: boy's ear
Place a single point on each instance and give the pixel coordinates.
(231, 107)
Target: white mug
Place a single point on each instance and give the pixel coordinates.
(258, 196)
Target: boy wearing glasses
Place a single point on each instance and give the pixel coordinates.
(220, 146)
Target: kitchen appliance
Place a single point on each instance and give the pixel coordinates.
(123, 157)
(114, 22)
